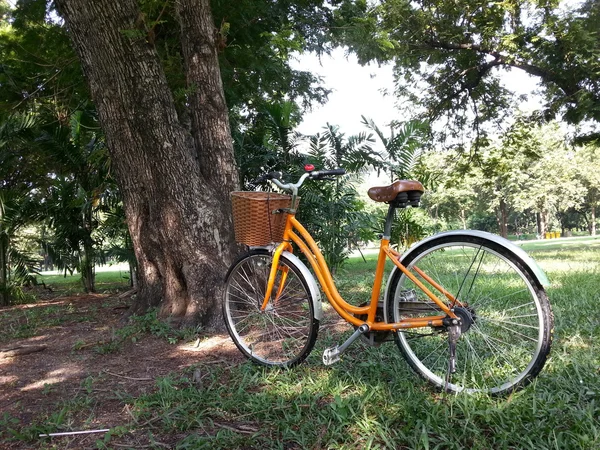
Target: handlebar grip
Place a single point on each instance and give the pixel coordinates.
(317, 174)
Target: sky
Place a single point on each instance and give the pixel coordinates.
(368, 91)
(356, 91)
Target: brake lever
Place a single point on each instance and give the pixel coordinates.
(267, 177)
(259, 180)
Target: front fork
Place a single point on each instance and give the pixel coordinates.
(273, 275)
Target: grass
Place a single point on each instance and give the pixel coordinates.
(25, 323)
(371, 399)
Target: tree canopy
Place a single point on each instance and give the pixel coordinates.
(449, 57)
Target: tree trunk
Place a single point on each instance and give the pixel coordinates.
(87, 262)
(543, 223)
(175, 182)
(133, 278)
(593, 221)
(463, 218)
(87, 271)
(4, 299)
(503, 219)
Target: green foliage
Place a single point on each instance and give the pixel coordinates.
(269, 143)
(403, 148)
(411, 225)
(258, 40)
(15, 294)
(17, 263)
(402, 159)
(40, 71)
(80, 188)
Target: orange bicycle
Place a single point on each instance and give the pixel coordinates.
(467, 309)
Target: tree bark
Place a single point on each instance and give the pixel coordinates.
(463, 218)
(593, 220)
(503, 219)
(4, 298)
(543, 222)
(175, 182)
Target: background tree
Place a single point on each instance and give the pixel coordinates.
(501, 169)
(531, 181)
(75, 193)
(17, 266)
(453, 196)
(549, 184)
(587, 159)
(16, 209)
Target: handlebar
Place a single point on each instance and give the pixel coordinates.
(275, 178)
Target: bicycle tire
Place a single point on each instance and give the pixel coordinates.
(282, 335)
(511, 322)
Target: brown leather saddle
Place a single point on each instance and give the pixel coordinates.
(400, 193)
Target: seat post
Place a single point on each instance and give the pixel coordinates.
(389, 220)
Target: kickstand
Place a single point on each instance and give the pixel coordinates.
(454, 332)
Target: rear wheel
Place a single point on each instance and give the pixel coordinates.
(284, 333)
(507, 320)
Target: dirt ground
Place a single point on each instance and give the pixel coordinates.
(33, 386)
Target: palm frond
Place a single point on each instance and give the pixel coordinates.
(23, 267)
(17, 127)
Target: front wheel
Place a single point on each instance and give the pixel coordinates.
(284, 333)
(507, 321)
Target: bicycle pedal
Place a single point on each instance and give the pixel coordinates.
(331, 355)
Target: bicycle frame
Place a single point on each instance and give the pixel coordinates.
(296, 233)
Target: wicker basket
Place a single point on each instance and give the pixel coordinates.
(253, 218)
